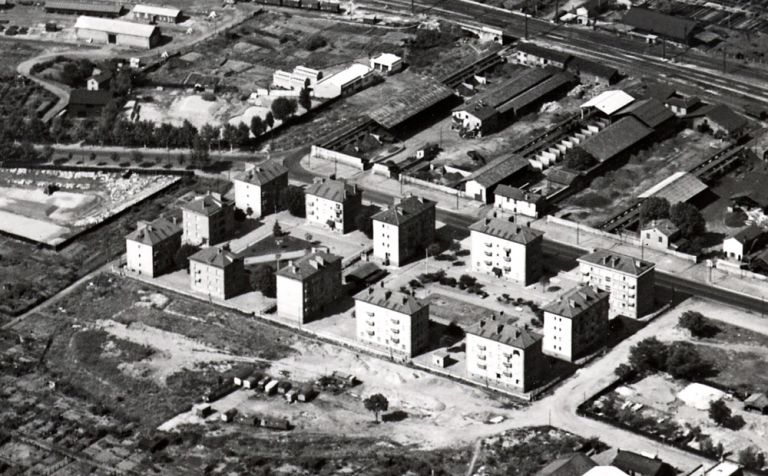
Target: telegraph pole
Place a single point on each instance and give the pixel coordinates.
(525, 13)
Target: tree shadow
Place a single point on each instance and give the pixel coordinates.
(395, 416)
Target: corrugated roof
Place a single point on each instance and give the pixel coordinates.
(154, 232)
(119, 27)
(214, 256)
(406, 210)
(392, 300)
(95, 7)
(509, 89)
(574, 465)
(650, 112)
(505, 332)
(616, 138)
(536, 93)
(678, 187)
(498, 170)
(159, 11)
(620, 262)
(309, 265)
(206, 204)
(669, 26)
(574, 302)
(422, 93)
(334, 190)
(580, 65)
(262, 173)
(506, 230)
(609, 102)
(518, 194)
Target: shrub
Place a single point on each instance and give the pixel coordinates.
(751, 458)
(591, 199)
(210, 97)
(719, 412)
(315, 42)
(694, 322)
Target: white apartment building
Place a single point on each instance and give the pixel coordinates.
(258, 189)
(576, 323)
(392, 321)
(217, 273)
(403, 230)
(629, 280)
(207, 220)
(307, 285)
(504, 354)
(151, 249)
(506, 250)
(519, 202)
(332, 204)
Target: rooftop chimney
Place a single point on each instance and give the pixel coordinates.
(499, 328)
(387, 294)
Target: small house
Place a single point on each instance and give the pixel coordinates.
(387, 63)
(272, 423)
(229, 415)
(252, 381)
(307, 392)
(99, 82)
(241, 376)
(659, 234)
(263, 383)
(748, 240)
(291, 395)
(271, 387)
(441, 359)
(283, 387)
(203, 410)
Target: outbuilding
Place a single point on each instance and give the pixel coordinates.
(153, 14)
(387, 63)
(117, 32)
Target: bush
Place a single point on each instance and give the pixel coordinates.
(579, 159)
(751, 458)
(591, 199)
(694, 322)
(210, 97)
(654, 208)
(735, 219)
(648, 355)
(315, 42)
(448, 281)
(684, 362)
(263, 279)
(719, 412)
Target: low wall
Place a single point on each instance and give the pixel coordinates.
(736, 270)
(434, 186)
(321, 153)
(292, 93)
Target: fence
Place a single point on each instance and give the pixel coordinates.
(434, 186)
(106, 169)
(322, 153)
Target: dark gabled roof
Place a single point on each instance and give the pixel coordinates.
(537, 93)
(93, 7)
(405, 210)
(308, 265)
(661, 24)
(574, 302)
(207, 204)
(546, 53)
(483, 113)
(664, 226)
(506, 230)
(561, 176)
(748, 234)
(83, 97)
(102, 77)
(518, 194)
(263, 173)
(334, 190)
(616, 138)
(580, 65)
(214, 256)
(154, 232)
(392, 300)
(498, 170)
(505, 332)
(620, 262)
(650, 112)
(683, 101)
(640, 465)
(574, 465)
(508, 90)
(723, 116)
(422, 94)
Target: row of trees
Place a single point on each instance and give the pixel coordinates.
(679, 359)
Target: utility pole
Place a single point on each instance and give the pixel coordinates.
(413, 9)
(525, 13)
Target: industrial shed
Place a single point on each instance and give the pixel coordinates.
(117, 32)
(422, 95)
(153, 14)
(94, 9)
(678, 187)
(616, 139)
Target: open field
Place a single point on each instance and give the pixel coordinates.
(83, 199)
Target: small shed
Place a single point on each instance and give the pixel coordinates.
(441, 359)
(271, 387)
(203, 410)
(307, 392)
(291, 395)
(283, 387)
(272, 423)
(229, 415)
(252, 381)
(757, 402)
(263, 383)
(241, 375)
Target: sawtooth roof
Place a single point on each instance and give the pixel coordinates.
(506, 230)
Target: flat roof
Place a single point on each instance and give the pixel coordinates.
(422, 93)
(387, 59)
(609, 102)
(678, 187)
(119, 27)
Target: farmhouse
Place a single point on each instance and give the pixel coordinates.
(387, 63)
(84, 103)
(217, 273)
(99, 81)
(153, 14)
(503, 353)
(333, 204)
(506, 250)
(576, 323)
(94, 9)
(518, 201)
(343, 83)
(117, 32)
(258, 189)
(151, 249)
(207, 220)
(629, 280)
(403, 230)
(307, 285)
(740, 245)
(392, 321)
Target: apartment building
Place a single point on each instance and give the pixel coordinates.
(151, 249)
(392, 321)
(506, 250)
(217, 273)
(403, 230)
(629, 280)
(333, 204)
(207, 220)
(504, 354)
(307, 285)
(576, 323)
(258, 189)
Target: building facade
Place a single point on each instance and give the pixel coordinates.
(207, 220)
(392, 321)
(659, 234)
(387, 63)
(503, 354)
(576, 323)
(154, 14)
(745, 242)
(506, 250)
(151, 249)
(519, 202)
(403, 230)
(217, 273)
(629, 280)
(308, 285)
(258, 189)
(117, 32)
(333, 204)
(346, 82)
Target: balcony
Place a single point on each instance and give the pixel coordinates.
(371, 333)
(371, 323)
(395, 331)
(488, 253)
(394, 341)
(395, 322)
(507, 259)
(482, 366)
(507, 374)
(481, 357)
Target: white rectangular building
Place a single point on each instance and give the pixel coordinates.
(216, 273)
(343, 83)
(519, 202)
(308, 285)
(576, 323)
(298, 79)
(392, 321)
(506, 250)
(387, 63)
(629, 280)
(151, 249)
(117, 32)
(403, 231)
(258, 189)
(155, 14)
(207, 220)
(332, 204)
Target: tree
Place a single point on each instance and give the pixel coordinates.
(229, 135)
(751, 458)
(433, 249)
(209, 134)
(305, 100)
(182, 255)
(200, 156)
(269, 120)
(654, 208)
(262, 279)
(719, 412)
(283, 108)
(376, 404)
(277, 230)
(579, 159)
(242, 135)
(688, 219)
(694, 322)
(685, 362)
(292, 199)
(121, 83)
(649, 354)
(257, 126)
